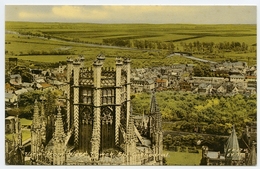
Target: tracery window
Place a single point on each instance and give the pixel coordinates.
(106, 117)
(87, 117)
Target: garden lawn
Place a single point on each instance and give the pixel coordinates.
(182, 158)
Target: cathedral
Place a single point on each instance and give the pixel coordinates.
(96, 126)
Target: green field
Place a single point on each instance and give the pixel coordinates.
(25, 122)
(182, 158)
(26, 134)
(72, 39)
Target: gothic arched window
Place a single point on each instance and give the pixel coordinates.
(87, 116)
(106, 117)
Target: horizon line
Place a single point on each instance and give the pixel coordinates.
(136, 23)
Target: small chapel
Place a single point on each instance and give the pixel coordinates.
(96, 126)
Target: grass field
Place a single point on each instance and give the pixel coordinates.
(182, 158)
(26, 134)
(21, 45)
(25, 122)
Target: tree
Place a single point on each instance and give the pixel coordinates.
(167, 141)
(26, 101)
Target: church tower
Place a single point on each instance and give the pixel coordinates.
(98, 126)
(98, 104)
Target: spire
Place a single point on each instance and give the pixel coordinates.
(42, 109)
(232, 148)
(153, 105)
(59, 130)
(252, 158)
(130, 129)
(36, 119)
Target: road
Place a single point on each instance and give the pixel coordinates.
(194, 58)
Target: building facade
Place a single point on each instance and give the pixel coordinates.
(97, 126)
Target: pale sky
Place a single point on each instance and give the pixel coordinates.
(133, 14)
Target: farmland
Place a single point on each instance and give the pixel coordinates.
(146, 44)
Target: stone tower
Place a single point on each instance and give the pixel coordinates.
(101, 104)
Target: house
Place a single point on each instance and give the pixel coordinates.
(221, 89)
(11, 98)
(61, 68)
(39, 79)
(21, 91)
(250, 78)
(235, 90)
(236, 78)
(8, 87)
(204, 88)
(15, 79)
(26, 84)
(252, 84)
(161, 83)
(10, 124)
(149, 85)
(250, 90)
(185, 86)
(45, 86)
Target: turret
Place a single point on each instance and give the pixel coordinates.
(76, 70)
(59, 141)
(119, 65)
(44, 123)
(127, 68)
(69, 68)
(95, 140)
(36, 140)
(82, 60)
(68, 89)
(252, 160)
(36, 116)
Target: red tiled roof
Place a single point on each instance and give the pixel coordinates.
(45, 85)
(161, 81)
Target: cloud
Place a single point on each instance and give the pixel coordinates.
(29, 15)
(134, 14)
(78, 12)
